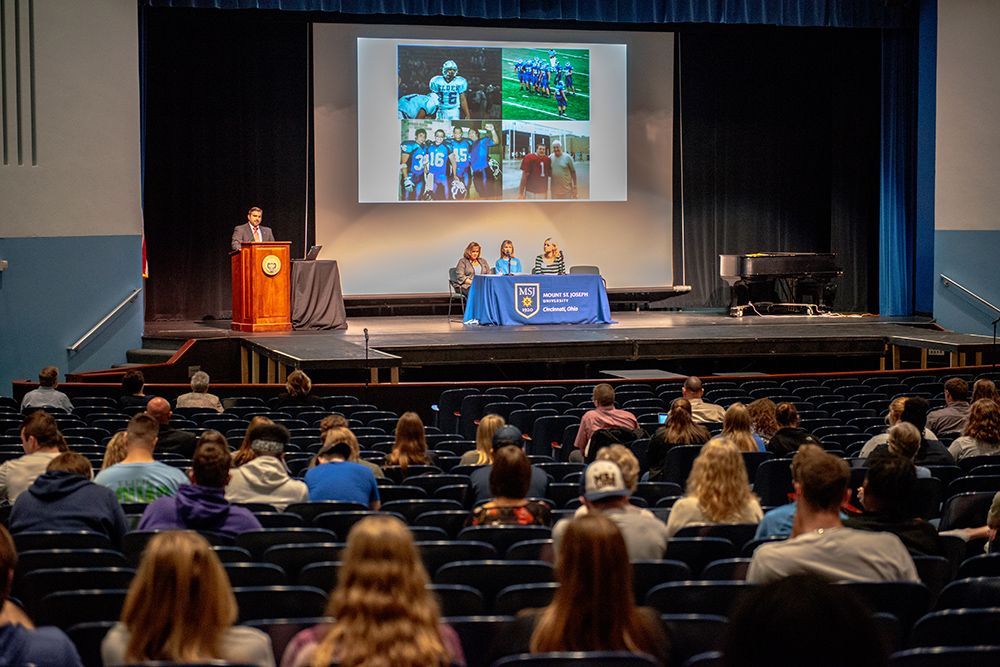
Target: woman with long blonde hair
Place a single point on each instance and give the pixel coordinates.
(385, 615)
(180, 608)
(981, 436)
(594, 608)
(410, 447)
(737, 428)
(115, 451)
(718, 490)
(483, 453)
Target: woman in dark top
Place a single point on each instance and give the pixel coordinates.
(789, 437)
(594, 608)
(680, 429)
(470, 264)
(509, 482)
(297, 389)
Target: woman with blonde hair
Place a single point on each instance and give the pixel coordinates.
(680, 429)
(385, 614)
(115, 451)
(483, 453)
(736, 427)
(718, 490)
(297, 388)
(594, 607)
(981, 436)
(245, 453)
(551, 260)
(410, 447)
(180, 608)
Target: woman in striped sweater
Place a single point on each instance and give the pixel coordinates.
(551, 261)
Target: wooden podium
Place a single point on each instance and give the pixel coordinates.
(262, 287)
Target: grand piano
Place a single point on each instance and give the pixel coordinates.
(780, 282)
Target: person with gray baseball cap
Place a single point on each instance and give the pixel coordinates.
(604, 491)
(480, 477)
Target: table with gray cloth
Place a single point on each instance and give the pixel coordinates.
(317, 299)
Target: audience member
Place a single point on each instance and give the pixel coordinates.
(789, 437)
(245, 452)
(170, 439)
(199, 397)
(701, 411)
(202, 504)
(821, 544)
(803, 619)
(737, 429)
(20, 642)
(297, 391)
(410, 445)
(385, 614)
(483, 453)
(932, 451)
(778, 522)
(264, 478)
(892, 417)
(139, 478)
(337, 478)
(42, 442)
(718, 490)
(762, 419)
(983, 388)
(180, 608)
(629, 465)
(64, 499)
(480, 477)
(594, 607)
(133, 384)
(888, 485)
(115, 451)
(605, 493)
(953, 415)
(509, 482)
(680, 429)
(47, 396)
(604, 415)
(331, 421)
(355, 457)
(981, 436)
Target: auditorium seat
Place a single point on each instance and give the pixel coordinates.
(458, 599)
(411, 509)
(64, 609)
(518, 597)
(525, 420)
(503, 536)
(292, 557)
(698, 597)
(36, 584)
(947, 656)
(698, 552)
(693, 634)
(983, 565)
(957, 627)
(258, 541)
(309, 510)
(965, 510)
(478, 635)
(906, 600)
(261, 602)
(537, 549)
(492, 576)
(256, 574)
(647, 574)
(548, 431)
(437, 553)
(401, 492)
(974, 592)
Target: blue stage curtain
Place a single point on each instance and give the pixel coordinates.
(898, 224)
(827, 13)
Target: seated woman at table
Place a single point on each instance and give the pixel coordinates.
(470, 264)
(550, 261)
(507, 262)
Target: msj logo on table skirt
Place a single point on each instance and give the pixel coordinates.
(527, 299)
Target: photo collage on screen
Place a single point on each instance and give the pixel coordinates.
(476, 122)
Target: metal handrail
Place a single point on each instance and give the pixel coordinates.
(76, 346)
(948, 282)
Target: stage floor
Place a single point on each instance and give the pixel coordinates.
(668, 341)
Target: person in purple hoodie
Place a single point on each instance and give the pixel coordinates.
(64, 499)
(202, 505)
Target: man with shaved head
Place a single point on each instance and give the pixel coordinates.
(170, 439)
(701, 411)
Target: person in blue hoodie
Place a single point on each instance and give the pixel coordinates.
(20, 642)
(64, 499)
(202, 505)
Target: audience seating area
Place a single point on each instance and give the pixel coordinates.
(485, 575)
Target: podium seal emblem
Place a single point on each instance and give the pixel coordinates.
(271, 265)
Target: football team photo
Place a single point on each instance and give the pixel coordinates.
(546, 83)
(455, 160)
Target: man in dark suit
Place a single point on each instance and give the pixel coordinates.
(252, 230)
(170, 439)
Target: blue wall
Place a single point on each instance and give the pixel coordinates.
(969, 258)
(54, 290)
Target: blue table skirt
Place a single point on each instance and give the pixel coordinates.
(538, 299)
